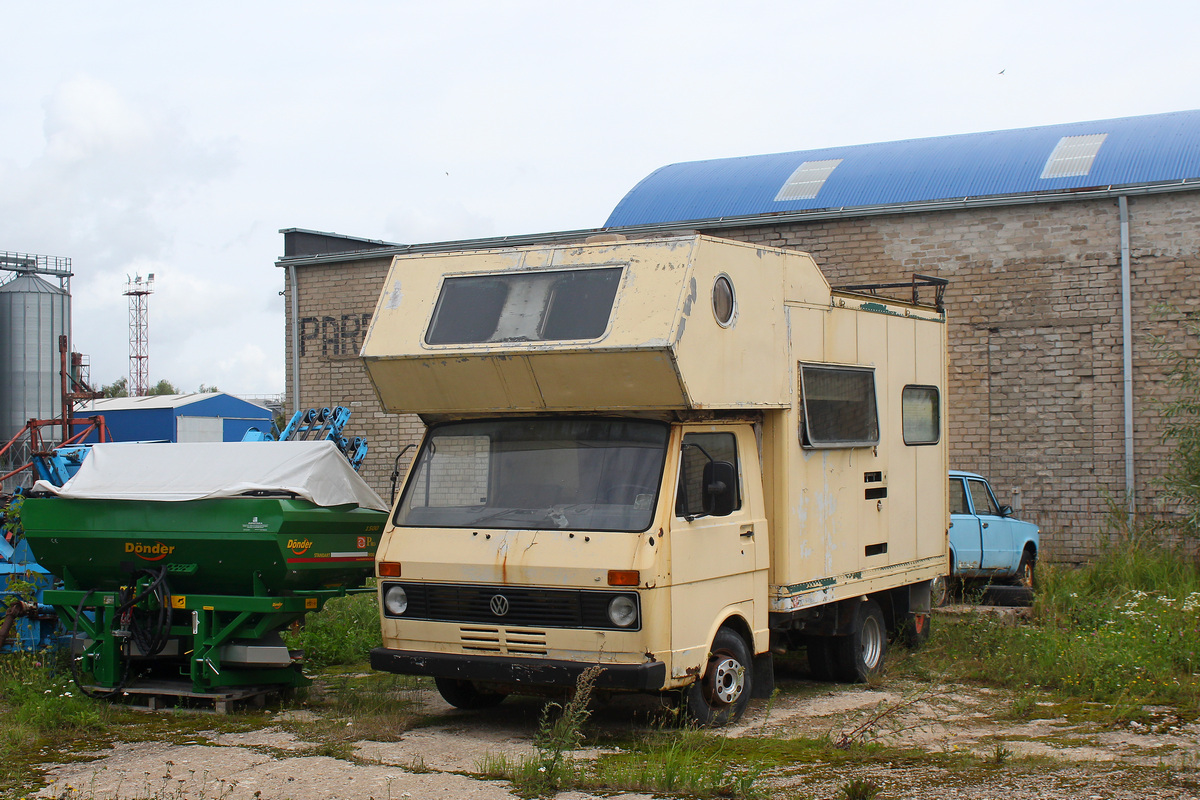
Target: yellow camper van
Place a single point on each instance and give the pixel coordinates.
(667, 457)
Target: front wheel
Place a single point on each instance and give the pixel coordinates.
(723, 691)
(466, 695)
(1025, 570)
(860, 655)
(939, 591)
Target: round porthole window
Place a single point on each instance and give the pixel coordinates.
(724, 307)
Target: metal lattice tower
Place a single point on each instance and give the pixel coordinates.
(138, 291)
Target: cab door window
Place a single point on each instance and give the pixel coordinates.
(981, 498)
(700, 452)
(958, 497)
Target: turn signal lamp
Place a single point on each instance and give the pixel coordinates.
(623, 577)
(389, 569)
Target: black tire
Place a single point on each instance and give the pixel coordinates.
(723, 692)
(1026, 573)
(466, 695)
(860, 655)
(822, 659)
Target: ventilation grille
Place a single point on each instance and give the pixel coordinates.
(1073, 156)
(503, 641)
(806, 182)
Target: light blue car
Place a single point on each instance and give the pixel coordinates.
(986, 541)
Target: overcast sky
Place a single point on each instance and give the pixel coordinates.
(178, 139)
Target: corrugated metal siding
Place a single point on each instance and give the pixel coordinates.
(33, 314)
(1135, 151)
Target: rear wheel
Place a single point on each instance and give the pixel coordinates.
(860, 655)
(466, 694)
(723, 692)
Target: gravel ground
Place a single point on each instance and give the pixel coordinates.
(1038, 758)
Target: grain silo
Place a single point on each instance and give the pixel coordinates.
(34, 312)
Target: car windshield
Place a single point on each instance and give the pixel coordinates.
(576, 474)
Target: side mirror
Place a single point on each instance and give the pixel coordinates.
(720, 488)
(1006, 511)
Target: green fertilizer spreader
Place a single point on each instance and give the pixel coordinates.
(165, 577)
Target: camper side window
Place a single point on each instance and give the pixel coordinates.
(839, 407)
(919, 409)
(699, 450)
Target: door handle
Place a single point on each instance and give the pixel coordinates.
(747, 531)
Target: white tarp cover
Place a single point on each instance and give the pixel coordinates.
(314, 471)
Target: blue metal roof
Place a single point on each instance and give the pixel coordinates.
(1131, 151)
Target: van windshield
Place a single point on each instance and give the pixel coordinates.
(569, 474)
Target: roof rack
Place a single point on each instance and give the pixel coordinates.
(916, 284)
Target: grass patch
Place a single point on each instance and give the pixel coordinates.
(375, 706)
(1123, 631)
(343, 632)
(43, 712)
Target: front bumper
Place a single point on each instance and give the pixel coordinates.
(648, 677)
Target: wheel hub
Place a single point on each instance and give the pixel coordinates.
(728, 679)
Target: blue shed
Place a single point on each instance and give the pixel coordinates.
(203, 417)
(1154, 151)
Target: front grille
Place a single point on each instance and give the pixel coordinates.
(525, 606)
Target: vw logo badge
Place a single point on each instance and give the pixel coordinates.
(499, 605)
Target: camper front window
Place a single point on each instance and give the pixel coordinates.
(536, 474)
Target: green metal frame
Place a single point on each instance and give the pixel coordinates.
(215, 621)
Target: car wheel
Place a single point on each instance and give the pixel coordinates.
(860, 655)
(466, 694)
(1025, 570)
(723, 691)
(939, 591)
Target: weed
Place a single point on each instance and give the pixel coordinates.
(1120, 631)
(343, 632)
(551, 767)
(1022, 707)
(889, 718)
(41, 709)
(374, 706)
(687, 761)
(860, 789)
(1000, 755)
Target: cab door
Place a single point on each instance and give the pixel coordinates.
(965, 538)
(719, 555)
(996, 534)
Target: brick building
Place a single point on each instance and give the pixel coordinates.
(1045, 235)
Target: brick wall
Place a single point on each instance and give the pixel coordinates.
(335, 304)
(1035, 396)
(1034, 302)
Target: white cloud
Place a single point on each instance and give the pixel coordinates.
(168, 139)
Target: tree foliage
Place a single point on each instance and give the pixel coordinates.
(1181, 415)
(118, 388)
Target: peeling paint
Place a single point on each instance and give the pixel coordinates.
(691, 297)
(795, 602)
(394, 296)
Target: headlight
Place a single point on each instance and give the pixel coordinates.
(622, 611)
(395, 600)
